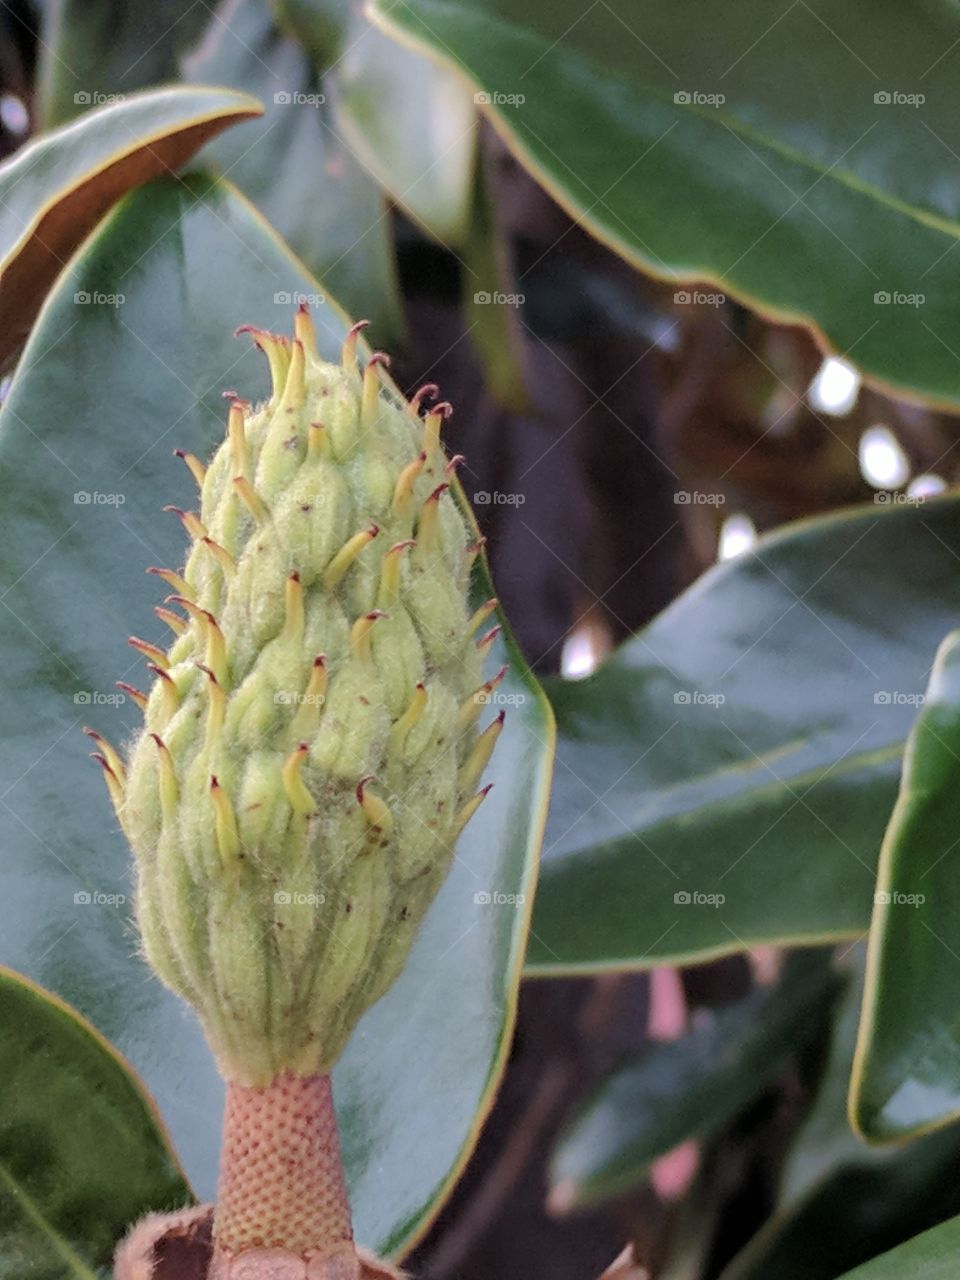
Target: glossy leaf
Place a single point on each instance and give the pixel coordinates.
(411, 122)
(85, 456)
(82, 1153)
(93, 50)
(842, 1202)
(295, 167)
(55, 191)
(786, 134)
(931, 1256)
(687, 1088)
(907, 1074)
(724, 780)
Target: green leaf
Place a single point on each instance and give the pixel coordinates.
(907, 1074)
(295, 167)
(100, 417)
(819, 642)
(744, 155)
(82, 1150)
(55, 191)
(932, 1256)
(840, 1201)
(95, 49)
(687, 1088)
(411, 122)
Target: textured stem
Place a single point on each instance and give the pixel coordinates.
(282, 1186)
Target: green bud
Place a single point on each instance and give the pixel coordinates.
(311, 747)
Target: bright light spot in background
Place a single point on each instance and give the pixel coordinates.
(13, 114)
(882, 462)
(835, 388)
(926, 486)
(738, 533)
(580, 654)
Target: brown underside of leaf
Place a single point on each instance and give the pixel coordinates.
(27, 276)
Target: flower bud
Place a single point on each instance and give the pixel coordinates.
(310, 750)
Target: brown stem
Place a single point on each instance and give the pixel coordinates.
(282, 1185)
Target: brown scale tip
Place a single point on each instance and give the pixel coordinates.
(362, 785)
(159, 741)
(429, 389)
(444, 409)
(485, 791)
(357, 327)
(159, 671)
(438, 492)
(214, 784)
(379, 357)
(489, 637)
(456, 461)
(501, 716)
(320, 660)
(373, 530)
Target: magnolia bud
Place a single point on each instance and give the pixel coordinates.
(311, 748)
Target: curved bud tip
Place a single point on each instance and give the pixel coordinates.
(426, 392)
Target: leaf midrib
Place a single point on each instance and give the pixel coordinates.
(36, 1215)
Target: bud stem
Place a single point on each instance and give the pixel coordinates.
(282, 1185)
